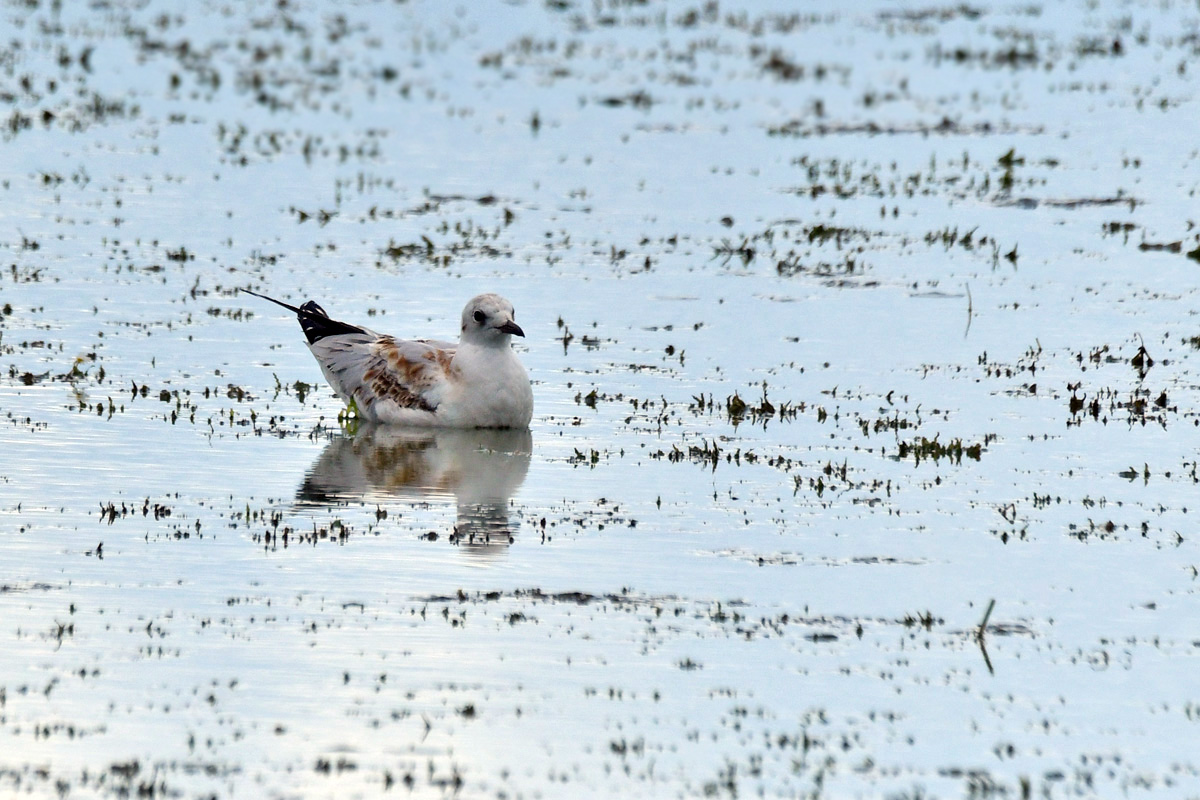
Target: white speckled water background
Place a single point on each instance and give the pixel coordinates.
(843, 323)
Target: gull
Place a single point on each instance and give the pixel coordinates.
(476, 383)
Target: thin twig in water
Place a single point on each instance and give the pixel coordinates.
(979, 635)
(970, 311)
(986, 615)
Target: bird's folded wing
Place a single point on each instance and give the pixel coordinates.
(374, 369)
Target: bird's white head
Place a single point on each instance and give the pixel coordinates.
(488, 319)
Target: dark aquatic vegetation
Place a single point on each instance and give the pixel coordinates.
(932, 449)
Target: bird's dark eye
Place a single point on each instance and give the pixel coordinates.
(478, 317)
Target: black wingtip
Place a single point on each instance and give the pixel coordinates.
(315, 323)
(291, 308)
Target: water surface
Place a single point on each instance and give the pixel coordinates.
(843, 323)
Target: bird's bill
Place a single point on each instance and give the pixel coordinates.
(511, 327)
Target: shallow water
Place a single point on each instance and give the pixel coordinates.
(842, 323)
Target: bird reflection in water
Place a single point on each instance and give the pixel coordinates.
(480, 469)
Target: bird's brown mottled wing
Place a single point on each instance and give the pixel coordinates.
(377, 371)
